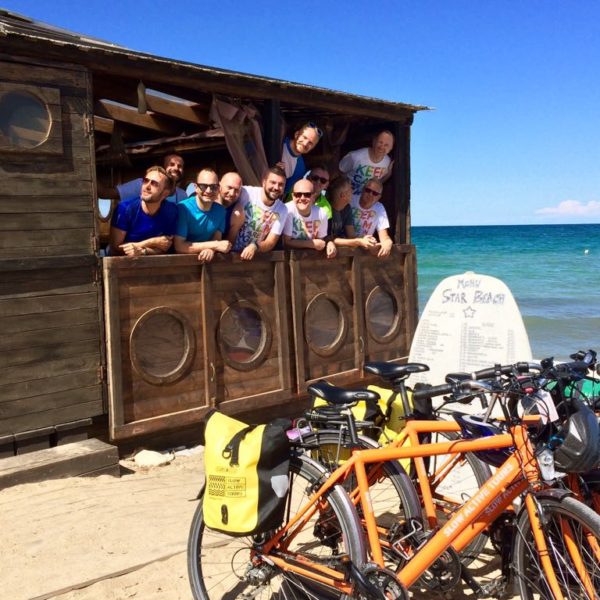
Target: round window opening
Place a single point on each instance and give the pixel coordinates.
(324, 325)
(382, 314)
(162, 345)
(24, 120)
(243, 336)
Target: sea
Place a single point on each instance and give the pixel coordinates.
(553, 271)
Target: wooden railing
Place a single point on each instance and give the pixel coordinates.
(245, 336)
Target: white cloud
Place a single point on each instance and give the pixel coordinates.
(573, 208)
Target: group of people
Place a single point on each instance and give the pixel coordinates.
(292, 206)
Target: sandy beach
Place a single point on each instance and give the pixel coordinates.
(106, 538)
(100, 538)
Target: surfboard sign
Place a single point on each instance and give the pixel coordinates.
(470, 322)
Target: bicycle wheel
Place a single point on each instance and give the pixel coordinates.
(455, 479)
(392, 493)
(572, 534)
(220, 566)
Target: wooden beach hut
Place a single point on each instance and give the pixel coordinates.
(121, 348)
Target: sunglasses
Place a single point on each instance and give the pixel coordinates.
(316, 178)
(316, 128)
(207, 187)
(302, 194)
(372, 192)
(152, 182)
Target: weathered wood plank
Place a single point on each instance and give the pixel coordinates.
(41, 387)
(77, 410)
(69, 460)
(28, 74)
(32, 356)
(65, 318)
(49, 337)
(79, 203)
(44, 186)
(48, 403)
(51, 368)
(38, 221)
(44, 263)
(51, 237)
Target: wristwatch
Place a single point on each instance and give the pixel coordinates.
(144, 251)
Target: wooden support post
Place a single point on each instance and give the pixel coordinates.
(401, 181)
(272, 127)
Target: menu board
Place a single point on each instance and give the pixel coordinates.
(470, 322)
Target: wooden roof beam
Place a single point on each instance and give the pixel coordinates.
(103, 125)
(126, 114)
(191, 113)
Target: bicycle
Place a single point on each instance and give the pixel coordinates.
(287, 561)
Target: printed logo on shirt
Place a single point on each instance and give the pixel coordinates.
(363, 173)
(305, 230)
(365, 220)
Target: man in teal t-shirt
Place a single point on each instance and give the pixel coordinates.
(201, 220)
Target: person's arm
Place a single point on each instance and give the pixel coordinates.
(317, 244)
(388, 172)
(351, 241)
(346, 164)
(182, 246)
(116, 238)
(385, 242)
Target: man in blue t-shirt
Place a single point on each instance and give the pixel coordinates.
(293, 151)
(146, 224)
(201, 220)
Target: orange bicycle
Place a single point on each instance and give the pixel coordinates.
(321, 550)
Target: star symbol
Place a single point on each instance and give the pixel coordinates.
(469, 312)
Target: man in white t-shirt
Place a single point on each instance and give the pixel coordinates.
(369, 163)
(306, 224)
(369, 216)
(259, 216)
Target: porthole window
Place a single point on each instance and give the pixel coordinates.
(324, 325)
(24, 120)
(244, 336)
(382, 314)
(162, 345)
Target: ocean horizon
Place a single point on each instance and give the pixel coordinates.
(553, 271)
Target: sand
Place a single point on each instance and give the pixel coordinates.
(105, 538)
(102, 537)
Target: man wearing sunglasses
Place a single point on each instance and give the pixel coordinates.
(172, 164)
(259, 216)
(201, 221)
(145, 224)
(294, 149)
(369, 216)
(306, 224)
(369, 163)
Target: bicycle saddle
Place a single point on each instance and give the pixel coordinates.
(336, 395)
(393, 371)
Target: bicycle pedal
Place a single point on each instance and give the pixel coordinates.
(495, 589)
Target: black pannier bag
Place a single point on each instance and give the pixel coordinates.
(247, 477)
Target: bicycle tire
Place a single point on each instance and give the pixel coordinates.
(464, 479)
(393, 496)
(218, 564)
(584, 523)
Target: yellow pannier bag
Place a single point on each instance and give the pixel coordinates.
(246, 475)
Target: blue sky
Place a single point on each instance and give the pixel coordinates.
(515, 134)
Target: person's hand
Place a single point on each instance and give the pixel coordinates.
(223, 246)
(319, 244)
(385, 248)
(368, 242)
(249, 251)
(132, 249)
(206, 255)
(163, 242)
(331, 250)
(281, 165)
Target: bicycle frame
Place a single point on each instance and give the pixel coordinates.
(518, 474)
